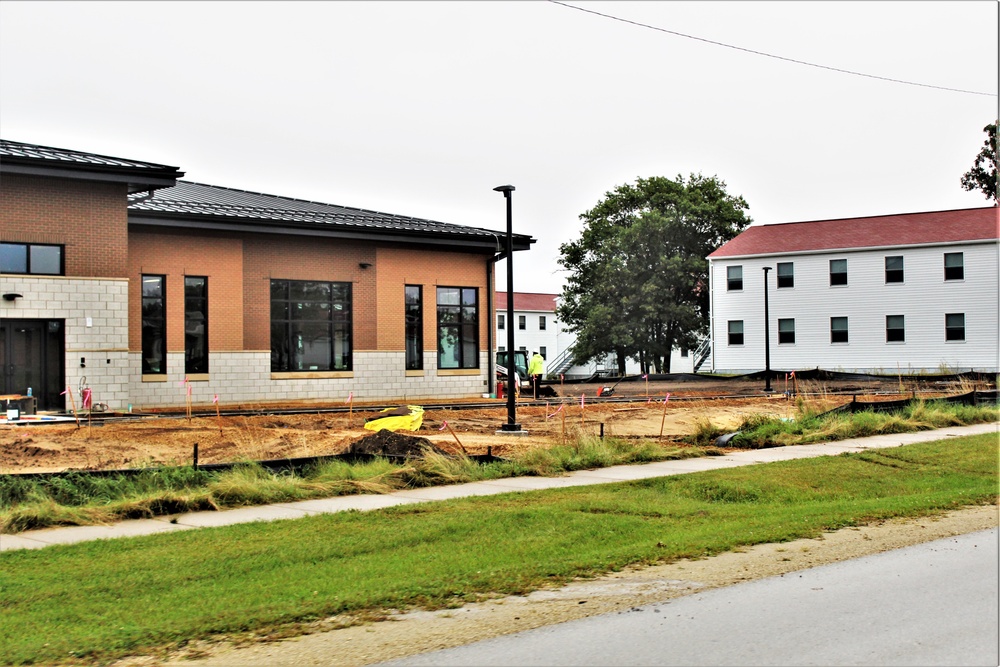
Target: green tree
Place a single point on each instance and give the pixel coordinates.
(638, 278)
(983, 175)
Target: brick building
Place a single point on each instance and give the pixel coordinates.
(119, 276)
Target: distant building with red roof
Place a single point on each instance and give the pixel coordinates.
(912, 292)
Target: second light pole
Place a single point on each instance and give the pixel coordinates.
(511, 424)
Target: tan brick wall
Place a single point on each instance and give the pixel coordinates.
(398, 267)
(179, 254)
(307, 258)
(89, 217)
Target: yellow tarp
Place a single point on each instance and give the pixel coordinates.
(397, 422)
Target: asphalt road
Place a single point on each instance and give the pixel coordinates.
(931, 604)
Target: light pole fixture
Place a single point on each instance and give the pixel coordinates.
(767, 338)
(511, 424)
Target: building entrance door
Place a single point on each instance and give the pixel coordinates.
(32, 355)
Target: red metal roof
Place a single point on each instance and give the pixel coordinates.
(529, 301)
(876, 231)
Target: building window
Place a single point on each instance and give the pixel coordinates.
(838, 329)
(734, 278)
(310, 326)
(500, 321)
(542, 351)
(954, 266)
(786, 331)
(458, 327)
(541, 323)
(735, 332)
(154, 325)
(502, 348)
(33, 258)
(195, 324)
(684, 352)
(522, 322)
(895, 329)
(414, 304)
(954, 326)
(894, 269)
(838, 272)
(786, 274)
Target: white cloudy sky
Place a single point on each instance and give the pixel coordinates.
(422, 108)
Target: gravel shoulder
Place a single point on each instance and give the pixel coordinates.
(402, 634)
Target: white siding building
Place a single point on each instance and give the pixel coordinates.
(905, 293)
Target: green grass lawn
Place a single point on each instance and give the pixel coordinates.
(96, 601)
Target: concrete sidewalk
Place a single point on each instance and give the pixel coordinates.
(36, 539)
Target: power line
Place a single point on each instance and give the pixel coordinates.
(768, 55)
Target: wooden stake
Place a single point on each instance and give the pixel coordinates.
(72, 402)
(218, 416)
(456, 438)
(663, 419)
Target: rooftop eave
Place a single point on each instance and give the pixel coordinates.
(325, 230)
(136, 180)
(846, 249)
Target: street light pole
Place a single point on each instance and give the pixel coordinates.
(511, 424)
(767, 338)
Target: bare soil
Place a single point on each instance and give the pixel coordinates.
(159, 439)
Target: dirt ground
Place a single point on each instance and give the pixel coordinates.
(158, 439)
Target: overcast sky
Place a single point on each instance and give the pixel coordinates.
(422, 108)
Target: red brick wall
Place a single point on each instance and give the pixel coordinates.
(89, 217)
(306, 258)
(176, 254)
(398, 267)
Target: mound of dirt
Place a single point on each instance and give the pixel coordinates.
(390, 443)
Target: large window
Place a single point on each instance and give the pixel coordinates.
(894, 269)
(735, 332)
(954, 326)
(154, 325)
(522, 322)
(786, 330)
(501, 320)
(541, 323)
(838, 272)
(895, 329)
(734, 278)
(195, 324)
(838, 330)
(34, 258)
(954, 266)
(786, 274)
(310, 326)
(458, 327)
(414, 327)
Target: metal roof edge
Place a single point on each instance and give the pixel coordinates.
(835, 251)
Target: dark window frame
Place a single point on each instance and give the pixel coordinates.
(785, 280)
(454, 321)
(27, 247)
(894, 274)
(287, 323)
(953, 332)
(501, 321)
(195, 310)
(735, 337)
(895, 331)
(786, 337)
(838, 278)
(154, 324)
(734, 284)
(837, 334)
(954, 272)
(413, 302)
(522, 322)
(541, 323)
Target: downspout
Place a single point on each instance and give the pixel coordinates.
(491, 375)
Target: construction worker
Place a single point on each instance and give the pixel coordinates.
(536, 368)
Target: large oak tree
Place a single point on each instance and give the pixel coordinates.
(638, 278)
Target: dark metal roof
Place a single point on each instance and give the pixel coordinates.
(196, 205)
(17, 157)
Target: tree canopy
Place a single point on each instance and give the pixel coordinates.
(638, 278)
(983, 175)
